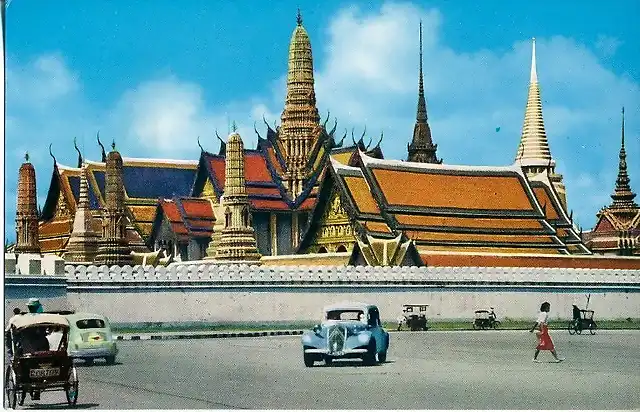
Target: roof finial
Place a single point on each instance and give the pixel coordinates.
(299, 18)
(113, 144)
(75, 145)
(534, 74)
(26, 156)
(234, 128)
(201, 149)
(104, 156)
(51, 154)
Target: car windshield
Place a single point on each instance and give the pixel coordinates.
(345, 314)
(90, 324)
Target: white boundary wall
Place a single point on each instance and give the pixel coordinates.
(212, 293)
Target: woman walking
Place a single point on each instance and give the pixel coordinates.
(542, 332)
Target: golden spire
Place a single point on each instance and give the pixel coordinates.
(533, 150)
(83, 242)
(622, 195)
(300, 118)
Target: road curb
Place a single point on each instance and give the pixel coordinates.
(207, 335)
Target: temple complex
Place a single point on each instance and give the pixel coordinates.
(27, 210)
(534, 155)
(421, 148)
(238, 239)
(300, 197)
(113, 247)
(617, 231)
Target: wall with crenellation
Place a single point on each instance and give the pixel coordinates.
(205, 292)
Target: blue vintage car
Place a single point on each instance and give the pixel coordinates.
(348, 330)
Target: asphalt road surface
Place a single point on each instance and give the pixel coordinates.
(424, 370)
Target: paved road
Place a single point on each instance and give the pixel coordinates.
(428, 370)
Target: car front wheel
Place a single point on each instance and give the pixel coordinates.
(110, 360)
(370, 357)
(382, 357)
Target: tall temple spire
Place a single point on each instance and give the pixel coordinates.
(113, 246)
(27, 230)
(238, 239)
(300, 117)
(533, 151)
(622, 195)
(422, 148)
(83, 242)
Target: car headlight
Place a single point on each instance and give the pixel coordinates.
(363, 337)
(306, 338)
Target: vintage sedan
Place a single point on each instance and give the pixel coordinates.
(348, 330)
(90, 338)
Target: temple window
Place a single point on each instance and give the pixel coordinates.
(322, 249)
(227, 218)
(341, 248)
(245, 217)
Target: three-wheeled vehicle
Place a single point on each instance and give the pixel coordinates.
(485, 319)
(585, 322)
(38, 358)
(414, 317)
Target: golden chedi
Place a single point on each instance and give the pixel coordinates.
(238, 238)
(83, 243)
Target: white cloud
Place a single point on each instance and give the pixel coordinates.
(607, 45)
(40, 82)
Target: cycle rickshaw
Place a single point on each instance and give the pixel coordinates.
(584, 322)
(34, 366)
(485, 319)
(414, 321)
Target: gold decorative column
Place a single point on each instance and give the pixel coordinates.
(300, 118)
(83, 243)
(113, 247)
(27, 232)
(238, 239)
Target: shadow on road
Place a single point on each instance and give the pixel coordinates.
(346, 363)
(60, 405)
(82, 364)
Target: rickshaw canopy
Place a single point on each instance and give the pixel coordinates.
(30, 319)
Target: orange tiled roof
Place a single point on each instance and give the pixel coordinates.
(453, 207)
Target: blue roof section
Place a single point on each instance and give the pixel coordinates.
(157, 182)
(99, 176)
(74, 183)
(93, 201)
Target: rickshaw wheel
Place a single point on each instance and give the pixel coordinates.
(475, 327)
(579, 329)
(496, 324)
(571, 328)
(10, 388)
(23, 395)
(592, 328)
(71, 390)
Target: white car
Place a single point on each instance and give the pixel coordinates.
(348, 330)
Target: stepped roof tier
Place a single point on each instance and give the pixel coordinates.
(188, 217)
(451, 208)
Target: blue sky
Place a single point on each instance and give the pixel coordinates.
(155, 75)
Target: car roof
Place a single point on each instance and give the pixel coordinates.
(84, 315)
(349, 306)
(33, 319)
